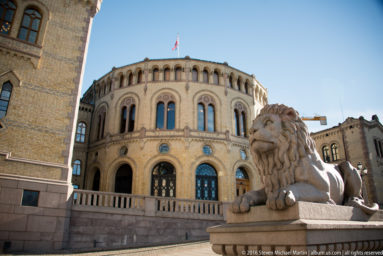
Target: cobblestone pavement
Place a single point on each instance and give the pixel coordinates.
(189, 249)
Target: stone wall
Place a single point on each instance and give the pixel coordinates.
(90, 230)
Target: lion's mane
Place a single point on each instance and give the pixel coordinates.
(277, 168)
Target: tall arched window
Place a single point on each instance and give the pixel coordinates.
(201, 117)
(236, 123)
(165, 112)
(178, 73)
(139, 77)
(30, 25)
(163, 180)
(205, 75)
(334, 152)
(123, 119)
(210, 118)
(7, 12)
(216, 78)
(101, 123)
(96, 181)
(167, 74)
(326, 154)
(123, 179)
(240, 120)
(160, 115)
(76, 167)
(130, 79)
(206, 113)
(171, 111)
(156, 74)
(194, 75)
(132, 118)
(128, 115)
(206, 183)
(242, 181)
(5, 96)
(80, 132)
(243, 124)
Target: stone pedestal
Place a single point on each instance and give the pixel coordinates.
(305, 228)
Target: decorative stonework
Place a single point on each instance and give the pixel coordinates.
(206, 99)
(128, 101)
(165, 98)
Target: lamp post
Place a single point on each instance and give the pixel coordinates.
(363, 174)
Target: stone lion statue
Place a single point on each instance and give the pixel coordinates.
(290, 168)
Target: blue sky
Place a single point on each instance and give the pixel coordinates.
(319, 56)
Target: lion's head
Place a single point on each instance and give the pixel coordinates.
(278, 139)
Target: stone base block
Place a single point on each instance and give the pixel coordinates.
(306, 228)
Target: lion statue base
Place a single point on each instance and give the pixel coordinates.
(290, 168)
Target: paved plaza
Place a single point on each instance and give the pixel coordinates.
(189, 249)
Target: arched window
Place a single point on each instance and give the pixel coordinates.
(165, 113)
(160, 115)
(139, 77)
(121, 81)
(123, 119)
(201, 117)
(239, 84)
(216, 78)
(167, 74)
(210, 118)
(156, 74)
(334, 152)
(206, 183)
(101, 123)
(326, 154)
(5, 96)
(242, 181)
(110, 86)
(7, 12)
(178, 73)
(132, 117)
(247, 87)
(171, 116)
(194, 75)
(243, 124)
(206, 113)
(205, 77)
(96, 181)
(130, 79)
(80, 132)
(76, 167)
(163, 180)
(30, 25)
(240, 120)
(128, 115)
(236, 123)
(123, 179)
(230, 81)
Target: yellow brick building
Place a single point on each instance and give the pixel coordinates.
(360, 142)
(169, 127)
(43, 46)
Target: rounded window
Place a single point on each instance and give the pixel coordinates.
(164, 148)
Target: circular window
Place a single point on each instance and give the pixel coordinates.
(207, 150)
(123, 151)
(243, 154)
(164, 148)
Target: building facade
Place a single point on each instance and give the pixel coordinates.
(43, 46)
(169, 127)
(358, 141)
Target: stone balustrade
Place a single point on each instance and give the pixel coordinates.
(108, 202)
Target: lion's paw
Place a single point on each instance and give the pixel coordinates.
(241, 204)
(280, 201)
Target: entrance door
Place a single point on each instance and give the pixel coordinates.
(123, 181)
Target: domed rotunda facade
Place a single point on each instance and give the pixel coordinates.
(169, 127)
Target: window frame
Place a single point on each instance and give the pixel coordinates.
(30, 28)
(3, 20)
(7, 99)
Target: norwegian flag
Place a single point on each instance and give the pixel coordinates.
(176, 44)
